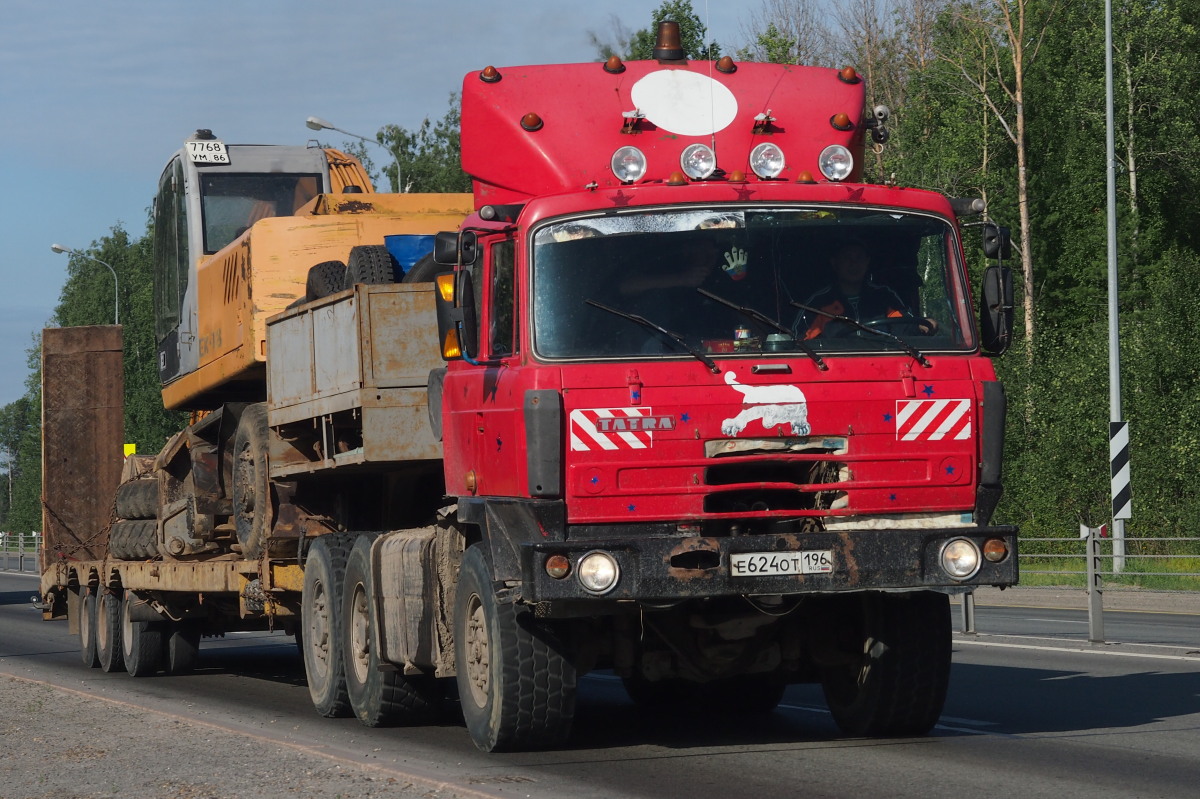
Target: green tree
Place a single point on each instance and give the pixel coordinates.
(429, 158)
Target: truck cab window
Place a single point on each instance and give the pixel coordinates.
(502, 329)
(170, 250)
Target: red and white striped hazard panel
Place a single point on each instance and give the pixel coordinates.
(933, 420)
(616, 428)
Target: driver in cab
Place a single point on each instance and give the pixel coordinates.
(852, 294)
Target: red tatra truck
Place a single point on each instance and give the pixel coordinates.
(688, 401)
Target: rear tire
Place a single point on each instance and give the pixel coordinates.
(379, 697)
(251, 490)
(897, 684)
(321, 624)
(141, 641)
(108, 631)
(424, 270)
(371, 264)
(87, 629)
(515, 682)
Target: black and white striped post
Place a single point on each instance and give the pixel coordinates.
(1122, 492)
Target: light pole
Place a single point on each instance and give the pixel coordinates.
(116, 283)
(316, 123)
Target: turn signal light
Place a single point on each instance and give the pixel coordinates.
(450, 346)
(995, 550)
(557, 566)
(445, 287)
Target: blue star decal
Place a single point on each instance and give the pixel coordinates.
(891, 497)
(949, 470)
(635, 395)
(887, 417)
(499, 443)
(594, 480)
(631, 508)
(683, 417)
(927, 391)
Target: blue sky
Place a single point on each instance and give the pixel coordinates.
(95, 96)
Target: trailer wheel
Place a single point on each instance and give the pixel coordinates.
(897, 685)
(138, 499)
(515, 681)
(141, 641)
(320, 623)
(379, 697)
(87, 628)
(251, 490)
(371, 264)
(324, 279)
(181, 647)
(133, 539)
(108, 631)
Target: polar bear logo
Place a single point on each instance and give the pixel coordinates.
(772, 405)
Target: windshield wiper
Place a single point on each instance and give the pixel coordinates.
(678, 339)
(769, 322)
(910, 349)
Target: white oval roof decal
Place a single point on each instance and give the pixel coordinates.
(684, 103)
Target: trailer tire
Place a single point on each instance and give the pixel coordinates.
(138, 499)
(108, 631)
(181, 647)
(141, 641)
(327, 277)
(321, 624)
(897, 685)
(516, 683)
(379, 697)
(371, 264)
(251, 488)
(87, 628)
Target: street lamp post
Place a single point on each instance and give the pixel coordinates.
(316, 123)
(116, 284)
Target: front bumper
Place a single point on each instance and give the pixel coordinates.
(672, 567)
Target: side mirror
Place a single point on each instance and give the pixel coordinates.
(452, 248)
(458, 325)
(996, 313)
(997, 241)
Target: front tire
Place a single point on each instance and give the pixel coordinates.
(515, 681)
(379, 697)
(251, 491)
(896, 685)
(321, 624)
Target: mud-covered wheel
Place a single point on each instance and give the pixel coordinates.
(516, 683)
(108, 631)
(320, 624)
(87, 628)
(896, 685)
(181, 647)
(141, 641)
(324, 279)
(371, 264)
(379, 697)
(251, 490)
(138, 499)
(133, 539)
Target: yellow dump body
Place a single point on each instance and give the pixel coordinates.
(264, 270)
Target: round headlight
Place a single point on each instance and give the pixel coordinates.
(835, 162)
(960, 558)
(767, 160)
(598, 572)
(698, 161)
(628, 164)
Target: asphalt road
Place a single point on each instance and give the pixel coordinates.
(1034, 710)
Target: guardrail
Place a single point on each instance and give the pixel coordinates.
(1171, 564)
(20, 552)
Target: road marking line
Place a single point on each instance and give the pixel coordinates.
(1079, 650)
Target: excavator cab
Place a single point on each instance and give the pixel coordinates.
(209, 196)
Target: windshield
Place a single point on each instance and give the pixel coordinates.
(232, 203)
(827, 280)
